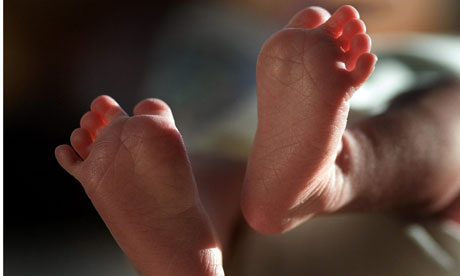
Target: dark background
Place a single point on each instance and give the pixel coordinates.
(46, 45)
(58, 56)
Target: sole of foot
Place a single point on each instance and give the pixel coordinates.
(306, 73)
(137, 174)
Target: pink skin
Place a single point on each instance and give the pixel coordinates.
(136, 172)
(303, 90)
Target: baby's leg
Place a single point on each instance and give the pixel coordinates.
(136, 172)
(306, 73)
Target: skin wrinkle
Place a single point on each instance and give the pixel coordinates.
(139, 147)
(98, 144)
(281, 147)
(278, 110)
(307, 100)
(303, 101)
(162, 219)
(331, 192)
(301, 79)
(306, 71)
(297, 139)
(303, 98)
(96, 186)
(113, 164)
(307, 197)
(340, 196)
(303, 53)
(277, 134)
(344, 159)
(343, 165)
(317, 146)
(290, 87)
(312, 190)
(284, 59)
(323, 101)
(314, 193)
(272, 76)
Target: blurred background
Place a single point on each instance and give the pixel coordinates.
(199, 56)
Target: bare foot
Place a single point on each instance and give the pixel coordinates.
(136, 172)
(306, 73)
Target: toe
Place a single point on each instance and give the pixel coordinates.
(363, 69)
(360, 44)
(92, 122)
(335, 25)
(351, 29)
(309, 18)
(153, 107)
(67, 158)
(107, 108)
(81, 140)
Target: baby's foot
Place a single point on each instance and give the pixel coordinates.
(136, 172)
(306, 73)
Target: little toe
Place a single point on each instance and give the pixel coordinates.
(309, 18)
(153, 107)
(92, 122)
(67, 158)
(359, 45)
(363, 69)
(81, 139)
(107, 108)
(335, 25)
(351, 29)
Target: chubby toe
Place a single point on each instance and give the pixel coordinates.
(335, 25)
(153, 107)
(360, 44)
(67, 158)
(81, 139)
(352, 28)
(92, 122)
(106, 107)
(363, 69)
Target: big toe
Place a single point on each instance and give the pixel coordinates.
(153, 107)
(309, 18)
